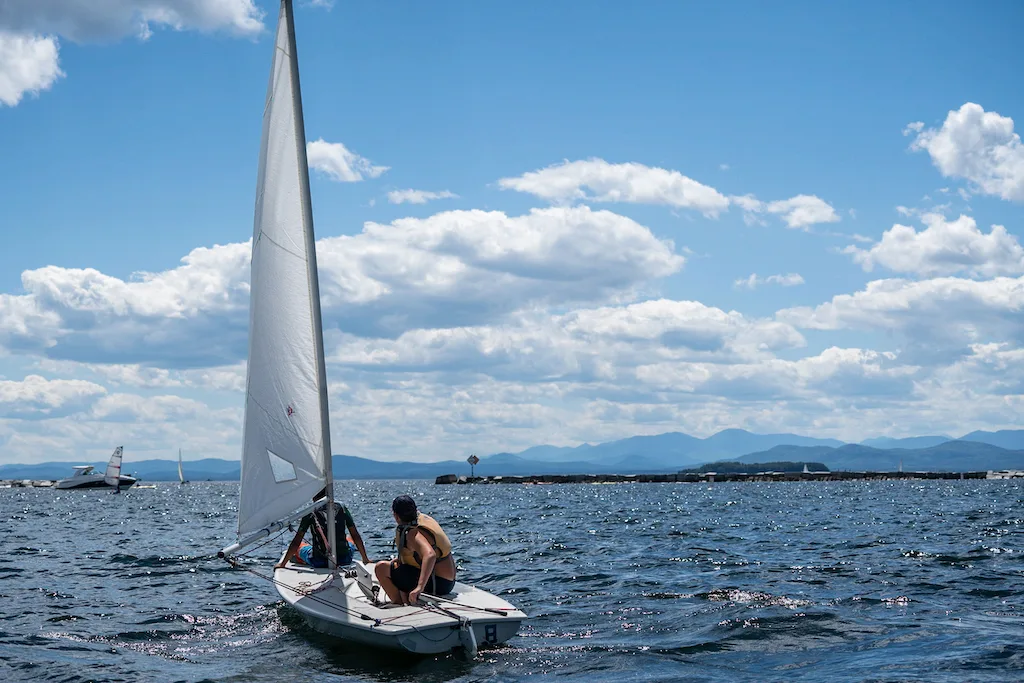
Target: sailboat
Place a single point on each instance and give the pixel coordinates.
(286, 445)
(85, 478)
(181, 475)
(112, 477)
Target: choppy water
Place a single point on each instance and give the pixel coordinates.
(839, 581)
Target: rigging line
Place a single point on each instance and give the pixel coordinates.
(306, 593)
(391, 619)
(416, 629)
(495, 610)
(492, 610)
(451, 615)
(403, 616)
(269, 541)
(425, 608)
(426, 637)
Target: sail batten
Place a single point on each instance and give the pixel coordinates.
(286, 438)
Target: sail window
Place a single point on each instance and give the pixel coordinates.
(282, 469)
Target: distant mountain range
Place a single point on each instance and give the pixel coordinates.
(949, 456)
(668, 452)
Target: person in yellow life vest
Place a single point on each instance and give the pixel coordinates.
(425, 561)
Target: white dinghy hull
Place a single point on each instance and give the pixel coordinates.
(340, 608)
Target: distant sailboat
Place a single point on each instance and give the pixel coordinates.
(286, 443)
(112, 477)
(181, 475)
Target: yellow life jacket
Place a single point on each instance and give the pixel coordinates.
(435, 535)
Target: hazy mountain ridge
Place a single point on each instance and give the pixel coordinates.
(1010, 439)
(909, 442)
(670, 450)
(659, 453)
(950, 456)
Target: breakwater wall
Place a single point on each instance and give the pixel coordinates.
(695, 478)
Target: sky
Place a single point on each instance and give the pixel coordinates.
(536, 223)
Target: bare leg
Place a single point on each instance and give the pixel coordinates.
(383, 572)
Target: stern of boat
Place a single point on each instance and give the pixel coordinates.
(340, 607)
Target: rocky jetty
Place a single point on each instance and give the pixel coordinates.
(707, 477)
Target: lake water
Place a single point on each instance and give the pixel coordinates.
(839, 581)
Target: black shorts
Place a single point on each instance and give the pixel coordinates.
(405, 577)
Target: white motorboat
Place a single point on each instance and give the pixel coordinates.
(286, 446)
(85, 478)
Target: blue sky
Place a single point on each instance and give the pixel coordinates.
(629, 320)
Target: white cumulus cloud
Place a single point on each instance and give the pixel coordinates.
(418, 196)
(339, 163)
(36, 397)
(944, 248)
(628, 182)
(453, 268)
(134, 408)
(935, 320)
(89, 20)
(800, 212)
(835, 372)
(29, 63)
(978, 146)
(466, 267)
(29, 50)
(83, 314)
(588, 344)
(754, 280)
(597, 180)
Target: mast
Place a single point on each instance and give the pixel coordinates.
(314, 283)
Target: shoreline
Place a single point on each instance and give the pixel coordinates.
(711, 477)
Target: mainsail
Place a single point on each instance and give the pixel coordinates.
(287, 432)
(112, 476)
(181, 475)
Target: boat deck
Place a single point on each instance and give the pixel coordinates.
(340, 607)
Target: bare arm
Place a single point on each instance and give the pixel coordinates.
(293, 547)
(358, 540)
(427, 559)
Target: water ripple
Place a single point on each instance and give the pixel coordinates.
(838, 581)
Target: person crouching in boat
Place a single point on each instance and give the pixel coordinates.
(425, 561)
(315, 554)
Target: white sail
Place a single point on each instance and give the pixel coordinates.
(286, 431)
(113, 474)
(181, 475)
(286, 445)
